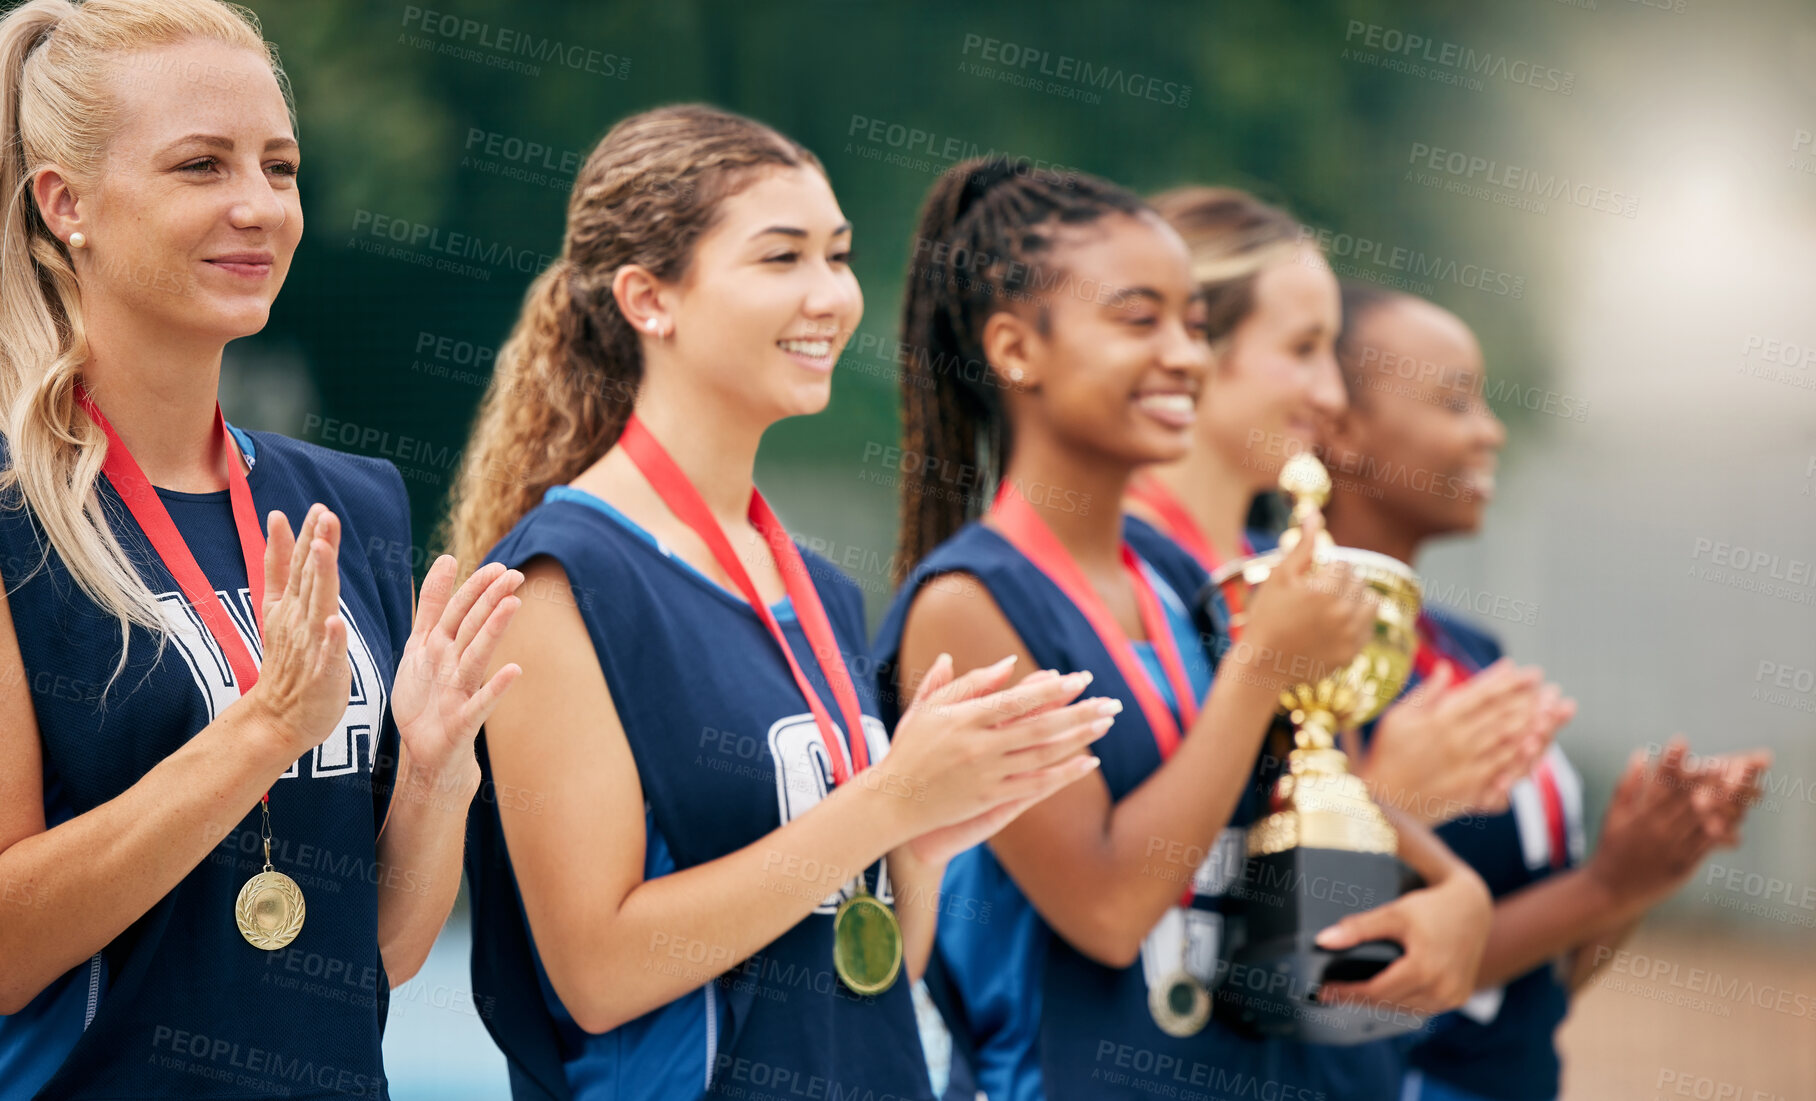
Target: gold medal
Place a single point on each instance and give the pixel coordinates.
(270, 907)
(1180, 1004)
(269, 910)
(866, 943)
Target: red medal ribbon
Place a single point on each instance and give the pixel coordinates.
(1177, 523)
(1017, 521)
(1029, 534)
(1426, 661)
(141, 499)
(679, 494)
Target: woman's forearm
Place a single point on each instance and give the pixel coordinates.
(80, 884)
(1588, 957)
(673, 933)
(1421, 849)
(917, 905)
(1547, 920)
(1119, 877)
(419, 853)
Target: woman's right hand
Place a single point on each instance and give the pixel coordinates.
(304, 678)
(1451, 749)
(1654, 835)
(1307, 621)
(969, 755)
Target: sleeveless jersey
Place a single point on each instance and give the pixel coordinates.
(180, 1005)
(727, 752)
(1500, 1044)
(1043, 1019)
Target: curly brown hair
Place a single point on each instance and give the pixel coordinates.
(567, 377)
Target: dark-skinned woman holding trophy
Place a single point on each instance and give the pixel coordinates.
(1415, 376)
(1058, 340)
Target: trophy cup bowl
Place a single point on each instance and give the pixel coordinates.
(1324, 850)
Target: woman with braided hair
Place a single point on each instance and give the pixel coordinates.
(683, 887)
(1057, 342)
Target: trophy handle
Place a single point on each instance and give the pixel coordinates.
(1361, 962)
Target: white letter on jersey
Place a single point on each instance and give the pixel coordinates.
(804, 776)
(340, 754)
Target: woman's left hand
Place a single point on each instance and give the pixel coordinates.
(441, 695)
(1443, 928)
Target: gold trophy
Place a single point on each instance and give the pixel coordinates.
(1324, 850)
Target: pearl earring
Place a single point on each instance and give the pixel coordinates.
(77, 240)
(1015, 374)
(650, 325)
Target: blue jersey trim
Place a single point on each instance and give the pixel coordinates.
(653, 1057)
(1185, 637)
(246, 446)
(782, 609)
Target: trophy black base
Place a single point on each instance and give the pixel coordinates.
(1275, 970)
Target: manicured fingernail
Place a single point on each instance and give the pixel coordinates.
(1110, 706)
(1005, 663)
(1101, 726)
(1096, 762)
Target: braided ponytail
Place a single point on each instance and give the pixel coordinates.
(983, 245)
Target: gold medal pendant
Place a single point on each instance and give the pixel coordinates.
(866, 943)
(269, 910)
(270, 907)
(1180, 1004)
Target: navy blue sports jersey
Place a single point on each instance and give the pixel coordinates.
(1500, 1044)
(180, 1005)
(727, 752)
(1042, 1018)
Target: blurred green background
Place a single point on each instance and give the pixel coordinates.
(395, 131)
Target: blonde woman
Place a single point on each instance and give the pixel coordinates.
(233, 770)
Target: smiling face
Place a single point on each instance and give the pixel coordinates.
(1419, 439)
(769, 298)
(194, 218)
(1118, 367)
(1276, 380)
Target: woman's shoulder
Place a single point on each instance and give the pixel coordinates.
(976, 548)
(945, 586)
(361, 476)
(367, 492)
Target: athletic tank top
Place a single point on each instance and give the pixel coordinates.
(727, 752)
(1501, 1043)
(1047, 1021)
(180, 1005)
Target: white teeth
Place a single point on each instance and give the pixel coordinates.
(1168, 403)
(816, 349)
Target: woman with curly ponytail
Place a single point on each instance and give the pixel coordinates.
(707, 865)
